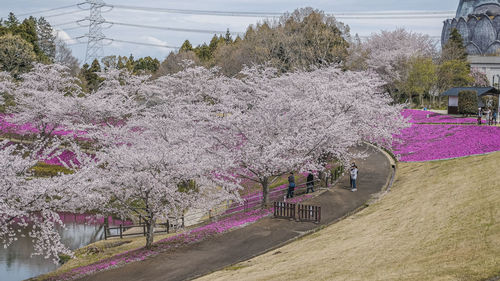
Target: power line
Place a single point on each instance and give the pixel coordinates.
(44, 11)
(64, 14)
(195, 12)
(391, 17)
(141, 43)
(65, 23)
(368, 14)
(75, 27)
(172, 28)
(395, 13)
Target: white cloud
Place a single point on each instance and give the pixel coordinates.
(61, 34)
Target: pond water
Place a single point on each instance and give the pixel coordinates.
(16, 262)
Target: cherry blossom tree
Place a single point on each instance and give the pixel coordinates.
(45, 98)
(480, 78)
(159, 160)
(31, 202)
(390, 51)
(287, 123)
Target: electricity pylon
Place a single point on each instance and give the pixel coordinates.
(95, 35)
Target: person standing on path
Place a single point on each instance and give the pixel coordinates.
(310, 182)
(354, 177)
(291, 185)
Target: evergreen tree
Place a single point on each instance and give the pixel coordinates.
(228, 38)
(186, 46)
(46, 38)
(89, 74)
(213, 43)
(454, 49)
(129, 65)
(203, 52)
(12, 22)
(146, 65)
(121, 62)
(27, 30)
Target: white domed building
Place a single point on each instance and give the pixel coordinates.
(479, 24)
(478, 21)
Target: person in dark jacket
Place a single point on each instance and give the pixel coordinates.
(310, 182)
(291, 185)
(354, 177)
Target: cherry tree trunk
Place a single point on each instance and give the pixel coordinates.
(265, 191)
(150, 228)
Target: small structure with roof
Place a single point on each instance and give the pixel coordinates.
(452, 95)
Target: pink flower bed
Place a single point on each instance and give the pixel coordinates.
(66, 156)
(420, 116)
(433, 142)
(25, 129)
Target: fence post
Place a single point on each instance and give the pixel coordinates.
(168, 226)
(144, 229)
(121, 231)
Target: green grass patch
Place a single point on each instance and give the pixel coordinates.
(441, 221)
(46, 171)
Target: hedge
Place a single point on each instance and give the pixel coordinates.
(467, 102)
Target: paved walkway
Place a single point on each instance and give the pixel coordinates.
(244, 243)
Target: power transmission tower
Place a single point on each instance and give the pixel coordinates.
(95, 35)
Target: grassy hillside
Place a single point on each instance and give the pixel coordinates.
(441, 221)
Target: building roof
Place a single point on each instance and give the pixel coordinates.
(481, 91)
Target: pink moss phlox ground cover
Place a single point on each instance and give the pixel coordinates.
(27, 129)
(433, 142)
(182, 239)
(420, 116)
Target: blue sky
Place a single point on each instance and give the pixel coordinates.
(358, 24)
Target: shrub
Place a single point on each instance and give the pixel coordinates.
(467, 102)
(63, 258)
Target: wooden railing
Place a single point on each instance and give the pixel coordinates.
(284, 210)
(121, 229)
(298, 212)
(309, 213)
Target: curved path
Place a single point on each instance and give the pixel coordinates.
(267, 234)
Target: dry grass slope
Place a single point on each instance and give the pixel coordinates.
(441, 221)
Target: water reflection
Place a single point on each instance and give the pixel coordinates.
(16, 262)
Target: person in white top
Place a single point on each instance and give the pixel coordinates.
(354, 177)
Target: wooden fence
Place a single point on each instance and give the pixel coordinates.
(309, 213)
(298, 212)
(284, 210)
(121, 229)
